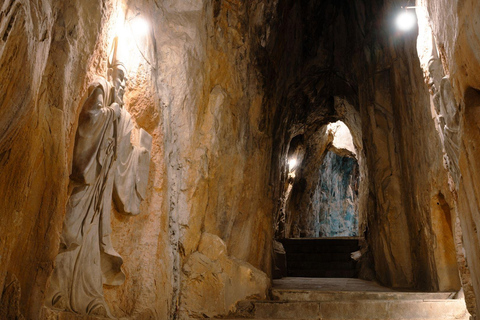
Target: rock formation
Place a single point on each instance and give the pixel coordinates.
(229, 91)
(338, 196)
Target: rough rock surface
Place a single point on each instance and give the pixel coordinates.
(337, 196)
(224, 88)
(45, 50)
(324, 198)
(193, 85)
(450, 59)
(213, 282)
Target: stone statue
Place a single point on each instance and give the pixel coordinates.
(106, 165)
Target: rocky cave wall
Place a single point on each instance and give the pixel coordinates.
(202, 239)
(228, 164)
(448, 46)
(337, 194)
(299, 216)
(353, 52)
(223, 87)
(43, 66)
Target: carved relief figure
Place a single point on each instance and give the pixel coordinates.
(106, 165)
(447, 110)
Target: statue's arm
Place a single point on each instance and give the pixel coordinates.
(131, 174)
(145, 146)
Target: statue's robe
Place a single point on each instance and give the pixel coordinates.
(104, 163)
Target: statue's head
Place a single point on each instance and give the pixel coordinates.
(97, 92)
(118, 77)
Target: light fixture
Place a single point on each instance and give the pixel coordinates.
(292, 163)
(139, 26)
(406, 20)
(133, 33)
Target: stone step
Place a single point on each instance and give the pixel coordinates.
(362, 310)
(288, 295)
(320, 257)
(318, 273)
(329, 265)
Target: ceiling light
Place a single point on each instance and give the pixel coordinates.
(139, 26)
(406, 20)
(292, 163)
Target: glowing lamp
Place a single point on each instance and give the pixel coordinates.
(139, 26)
(406, 20)
(292, 163)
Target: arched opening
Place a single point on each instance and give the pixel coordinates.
(322, 206)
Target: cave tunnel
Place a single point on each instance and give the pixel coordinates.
(263, 159)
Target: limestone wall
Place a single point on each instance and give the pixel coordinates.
(194, 85)
(448, 49)
(337, 195)
(46, 50)
(223, 87)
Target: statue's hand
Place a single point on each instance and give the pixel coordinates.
(116, 109)
(118, 97)
(145, 140)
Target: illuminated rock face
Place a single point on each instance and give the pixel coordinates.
(325, 186)
(194, 86)
(450, 61)
(337, 197)
(44, 50)
(223, 87)
(213, 281)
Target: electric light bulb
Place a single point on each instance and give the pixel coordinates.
(406, 21)
(292, 163)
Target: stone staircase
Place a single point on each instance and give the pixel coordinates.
(320, 257)
(374, 302)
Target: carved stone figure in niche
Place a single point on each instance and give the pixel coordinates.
(106, 165)
(447, 110)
